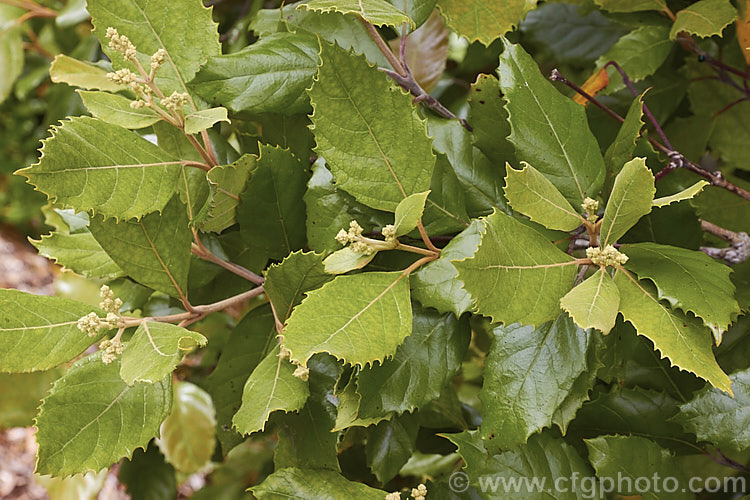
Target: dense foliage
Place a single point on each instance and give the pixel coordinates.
(353, 248)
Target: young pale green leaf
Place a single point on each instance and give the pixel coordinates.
(306, 438)
(11, 48)
(269, 76)
(271, 387)
(519, 396)
(409, 212)
(287, 282)
(377, 12)
(594, 303)
(428, 359)
(718, 417)
(91, 418)
(358, 318)
(621, 150)
(435, 284)
(197, 121)
(271, 212)
(115, 109)
(516, 275)
(632, 198)
(154, 251)
(544, 458)
(689, 280)
(631, 5)
(533, 195)
(345, 260)
(370, 134)
(704, 18)
(312, 483)
(634, 457)
(678, 338)
(390, 444)
(249, 343)
(88, 164)
(227, 183)
(65, 69)
(484, 20)
(685, 194)
(40, 332)
(186, 437)
(347, 414)
(184, 29)
(549, 130)
(639, 53)
(80, 253)
(155, 350)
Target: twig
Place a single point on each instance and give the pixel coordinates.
(677, 159)
(739, 244)
(204, 253)
(387, 52)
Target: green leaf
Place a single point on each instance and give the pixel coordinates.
(40, 332)
(677, 337)
(147, 476)
(347, 414)
(594, 303)
(390, 443)
(531, 194)
(227, 183)
(88, 164)
(632, 197)
(78, 252)
(197, 121)
(186, 437)
(287, 282)
(549, 130)
(428, 359)
(639, 53)
(409, 212)
(445, 211)
(367, 316)
(518, 395)
(345, 260)
(313, 483)
(73, 13)
(631, 5)
(370, 134)
(11, 49)
(185, 30)
(330, 209)
(516, 275)
(269, 76)
(249, 343)
(115, 109)
(718, 417)
(377, 12)
(685, 194)
(65, 69)
(704, 18)
(688, 280)
(154, 251)
(91, 418)
(435, 284)
(271, 210)
(271, 387)
(490, 120)
(631, 458)
(484, 20)
(418, 10)
(306, 438)
(543, 459)
(155, 350)
(621, 150)
(21, 393)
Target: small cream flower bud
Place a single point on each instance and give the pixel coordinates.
(389, 232)
(302, 373)
(138, 104)
(419, 493)
(393, 496)
(342, 237)
(284, 353)
(159, 58)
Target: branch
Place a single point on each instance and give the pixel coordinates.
(739, 244)
(677, 159)
(204, 253)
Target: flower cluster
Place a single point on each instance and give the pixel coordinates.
(302, 373)
(121, 44)
(418, 493)
(109, 303)
(176, 101)
(159, 58)
(92, 323)
(124, 77)
(389, 232)
(590, 206)
(609, 256)
(358, 243)
(111, 349)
